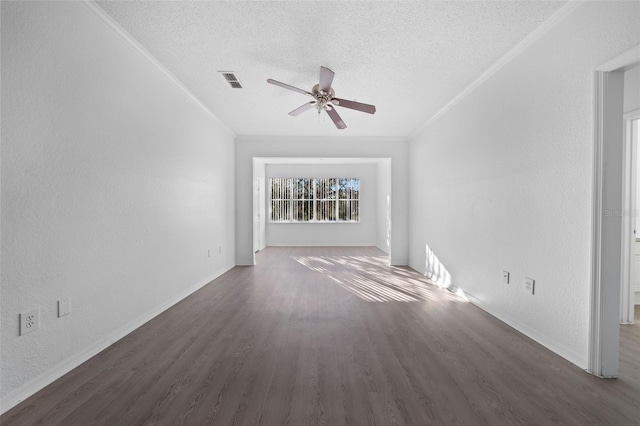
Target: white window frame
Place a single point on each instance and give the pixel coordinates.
(289, 216)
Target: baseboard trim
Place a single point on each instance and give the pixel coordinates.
(36, 384)
(552, 345)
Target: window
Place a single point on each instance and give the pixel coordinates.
(315, 200)
(326, 200)
(348, 198)
(302, 200)
(280, 199)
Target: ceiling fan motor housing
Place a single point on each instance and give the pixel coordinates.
(322, 98)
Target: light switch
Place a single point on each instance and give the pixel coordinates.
(64, 307)
(529, 285)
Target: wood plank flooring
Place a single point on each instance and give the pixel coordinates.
(332, 336)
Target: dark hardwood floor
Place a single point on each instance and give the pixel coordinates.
(332, 336)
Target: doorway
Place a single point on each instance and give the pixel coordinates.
(256, 214)
(612, 228)
(631, 236)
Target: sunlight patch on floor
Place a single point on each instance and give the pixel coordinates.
(371, 279)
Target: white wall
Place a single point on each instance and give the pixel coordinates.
(383, 236)
(259, 172)
(362, 233)
(250, 147)
(115, 184)
(503, 180)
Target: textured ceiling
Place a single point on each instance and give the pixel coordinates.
(407, 58)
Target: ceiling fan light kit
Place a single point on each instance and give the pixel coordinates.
(324, 99)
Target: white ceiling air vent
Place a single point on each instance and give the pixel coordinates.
(231, 78)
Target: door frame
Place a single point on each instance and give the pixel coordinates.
(607, 214)
(256, 215)
(629, 275)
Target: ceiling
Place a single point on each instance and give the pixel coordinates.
(408, 58)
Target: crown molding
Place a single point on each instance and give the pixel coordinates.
(97, 12)
(319, 139)
(547, 25)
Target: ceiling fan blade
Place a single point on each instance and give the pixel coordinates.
(336, 118)
(286, 86)
(326, 78)
(302, 109)
(370, 109)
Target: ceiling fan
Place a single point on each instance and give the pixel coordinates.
(323, 99)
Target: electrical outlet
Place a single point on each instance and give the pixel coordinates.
(64, 307)
(505, 277)
(29, 321)
(219, 249)
(529, 285)
(208, 253)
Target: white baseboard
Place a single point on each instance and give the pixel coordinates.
(552, 345)
(34, 385)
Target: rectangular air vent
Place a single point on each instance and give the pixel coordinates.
(231, 78)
